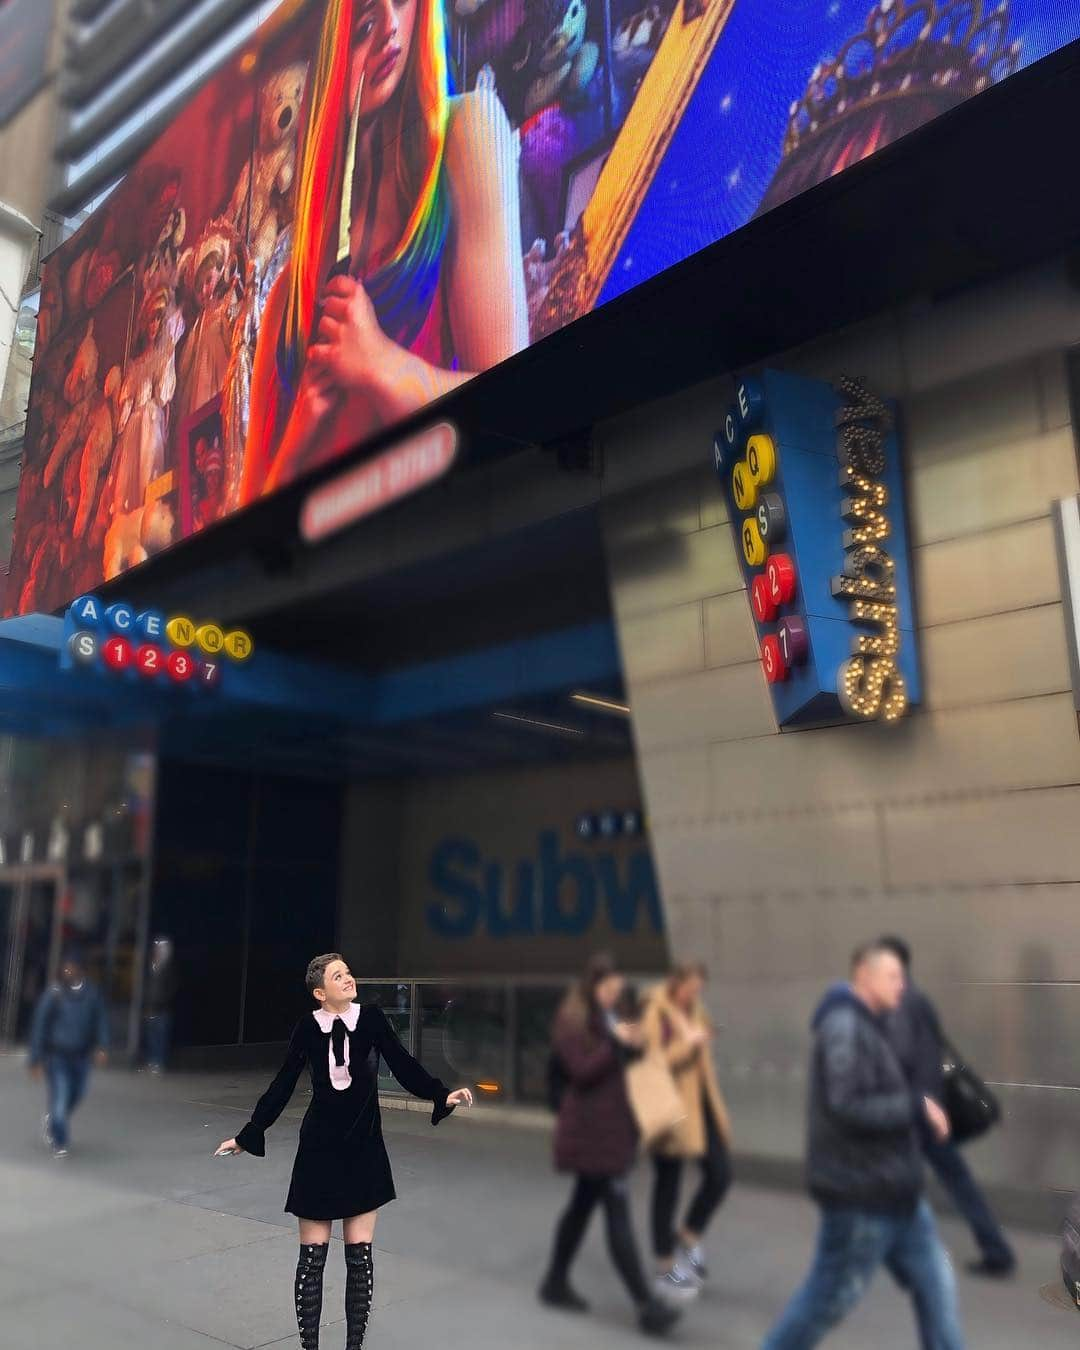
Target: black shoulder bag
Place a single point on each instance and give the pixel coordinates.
(970, 1105)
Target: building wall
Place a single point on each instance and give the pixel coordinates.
(957, 828)
(463, 876)
(27, 168)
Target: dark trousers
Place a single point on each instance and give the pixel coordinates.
(67, 1077)
(614, 1194)
(951, 1169)
(715, 1181)
(157, 1029)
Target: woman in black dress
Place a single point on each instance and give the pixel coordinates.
(341, 1169)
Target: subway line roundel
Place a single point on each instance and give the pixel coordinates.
(813, 479)
(148, 646)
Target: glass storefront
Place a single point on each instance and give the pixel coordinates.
(491, 1035)
(74, 850)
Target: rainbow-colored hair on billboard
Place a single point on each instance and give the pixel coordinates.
(399, 288)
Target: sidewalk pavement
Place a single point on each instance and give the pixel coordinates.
(141, 1238)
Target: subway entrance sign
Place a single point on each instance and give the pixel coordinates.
(814, 486)
(115, 639)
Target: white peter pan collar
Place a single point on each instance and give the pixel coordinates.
(326, 1019)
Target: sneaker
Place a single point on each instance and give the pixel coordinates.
(558, 1294)
(692, 1259)
(656, 1317)
(677, 1285)
(59, 1152)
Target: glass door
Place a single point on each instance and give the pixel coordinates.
(31, 895)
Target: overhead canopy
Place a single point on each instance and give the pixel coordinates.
(503, 703)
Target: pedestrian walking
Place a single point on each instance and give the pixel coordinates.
(158, 996)
(596, 1139)
(68, 1034)
(916, 1035)
(341, 1170)
(864, 1168)
(677, 1027)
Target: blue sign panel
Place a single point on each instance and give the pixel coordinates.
(555, 894)
(814, 485)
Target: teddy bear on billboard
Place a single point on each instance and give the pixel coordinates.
(267, 179)
(557, 62)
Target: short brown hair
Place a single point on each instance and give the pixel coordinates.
(868, 950)
(316, 970)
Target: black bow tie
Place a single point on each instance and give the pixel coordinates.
(337, 1037)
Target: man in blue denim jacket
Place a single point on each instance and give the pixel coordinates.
(864, 1168)
(70, 1031)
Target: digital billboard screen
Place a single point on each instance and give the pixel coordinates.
(377, 199)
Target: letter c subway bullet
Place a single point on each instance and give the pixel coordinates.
(121, 619)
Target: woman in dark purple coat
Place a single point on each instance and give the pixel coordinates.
(596, 1138)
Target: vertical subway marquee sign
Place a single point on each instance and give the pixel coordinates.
(115, 639)
(813, 480)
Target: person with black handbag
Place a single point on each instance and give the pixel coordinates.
(935, 1069)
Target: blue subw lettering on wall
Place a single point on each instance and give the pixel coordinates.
(556, 895)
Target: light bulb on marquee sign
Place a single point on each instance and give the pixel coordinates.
(812, 478)
(146, 645)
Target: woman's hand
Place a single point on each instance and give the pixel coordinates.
(349, 345)
(629, 1034)
(462, 1097)
(227, 1149)
(316, 399)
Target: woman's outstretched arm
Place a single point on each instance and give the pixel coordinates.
(411, 1074)
(252, 1138)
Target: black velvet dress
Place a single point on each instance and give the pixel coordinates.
(341, 1166)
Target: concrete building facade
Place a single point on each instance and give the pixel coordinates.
(776, 853)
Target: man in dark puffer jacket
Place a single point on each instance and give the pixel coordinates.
(864, 1168)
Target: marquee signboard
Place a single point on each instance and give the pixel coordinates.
(368, 205)
(814, 485)
(115, 639)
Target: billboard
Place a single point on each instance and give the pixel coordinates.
(377, 199)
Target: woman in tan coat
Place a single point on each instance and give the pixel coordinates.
(676, 1026)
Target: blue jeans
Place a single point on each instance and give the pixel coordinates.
(955, 1175)
(67, 1076)
(851, 1246)
(156, 1035)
